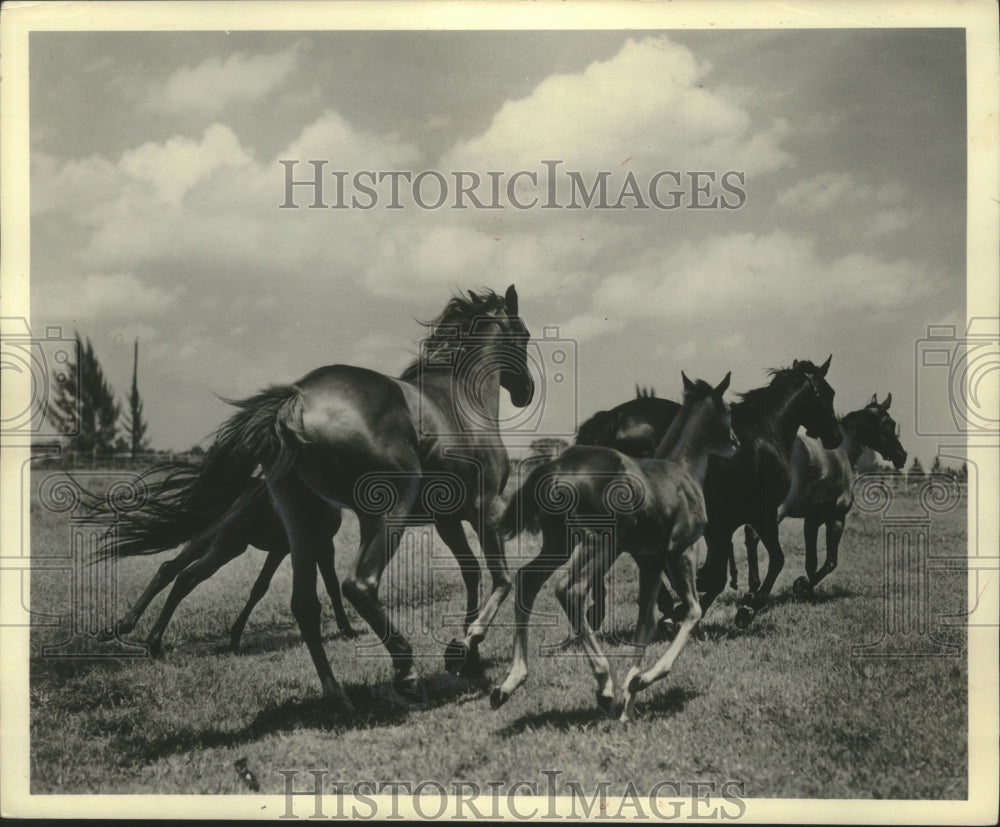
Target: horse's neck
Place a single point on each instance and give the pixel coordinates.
(673, 435)
(689, 448)
(851, 446)
(786, 417)
(478, 392)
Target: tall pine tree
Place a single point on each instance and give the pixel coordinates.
(84, 407)
(135, 424)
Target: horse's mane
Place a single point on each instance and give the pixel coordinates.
(453, 325)
(642, 392)
(781, 380)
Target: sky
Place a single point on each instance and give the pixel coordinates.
(156, 190)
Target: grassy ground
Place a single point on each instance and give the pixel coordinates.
(780, 707)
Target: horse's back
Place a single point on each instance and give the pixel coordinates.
(354, 410)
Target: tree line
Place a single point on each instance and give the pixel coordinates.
(83, 408)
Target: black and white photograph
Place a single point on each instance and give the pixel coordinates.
(523, 411)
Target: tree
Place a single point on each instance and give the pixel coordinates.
(135, 425)
(916, 472)
(90, 419)
(936, 467)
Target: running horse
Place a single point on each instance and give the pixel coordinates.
(658, 511)
(206, 551)
(821, 482)
(748, 488)
(423, 448)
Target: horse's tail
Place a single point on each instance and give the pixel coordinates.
(598, 430)
(192, 498)
(522, 512)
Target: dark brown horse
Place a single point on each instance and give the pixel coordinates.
(421, 449)
(821, 480)
(206, 553)
(747, 489)
(656, 512)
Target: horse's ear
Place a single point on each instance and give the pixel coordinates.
(473, 296)
(723, 386)
(826, 365)
(510, 301)
(887, 403)
(688, 384)
(873, 401)
(795, 364)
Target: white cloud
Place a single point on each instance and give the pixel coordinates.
(648, 103)
(830, 190)
(214, 83)
(178, 164)
(780, 274)
(101, 296)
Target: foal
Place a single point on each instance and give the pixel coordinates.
(821, 483)
(657, 510)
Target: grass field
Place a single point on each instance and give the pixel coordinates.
(780, 707)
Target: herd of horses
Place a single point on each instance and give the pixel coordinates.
(666, 482)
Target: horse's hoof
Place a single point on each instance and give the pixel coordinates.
(668, 627)
(498, 698)
(234, 646)
(747, 599)
(636, 685)
(802, 587)
(412, 691)
(472, 667)
(155, 649)
(606, 704)
(341, 705)
(744, 616)
(455, 654)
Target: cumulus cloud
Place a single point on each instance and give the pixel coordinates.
(214, 83)
(101, 296)
(649, 103)
(178, 164)
(831, 190)
(780, 273)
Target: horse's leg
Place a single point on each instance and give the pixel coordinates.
(529, 580)
(300, 511)
(713, 572)
(380, 536)
(257, 592)
(834, 531)
(328, 572)
(753, 564)
(226, 546)
(589, 562)
(649, 584)
(496, 564)
(767, 529)
(810, 530)
(458, 655)
(683, 575)
(164, 576)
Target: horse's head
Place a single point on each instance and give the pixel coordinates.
(880, 432)
(705, 402)
(513, 347)
(818, 416)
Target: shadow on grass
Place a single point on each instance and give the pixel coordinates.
(651, 703)
(377, 705)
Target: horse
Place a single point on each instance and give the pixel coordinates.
(749, 488)
(658, 512)
(821, 481)
(207, 553)
(420, 449)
